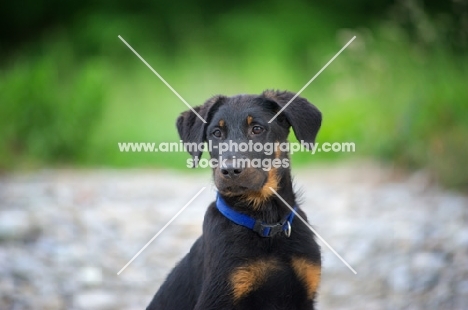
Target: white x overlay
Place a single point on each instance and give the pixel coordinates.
(313, 230)
(162, 79)
(203, 120)
(161, 230)
(311, 80)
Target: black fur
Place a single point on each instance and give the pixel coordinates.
(202, 280)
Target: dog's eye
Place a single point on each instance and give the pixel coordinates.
(217, 133)
(256, 130)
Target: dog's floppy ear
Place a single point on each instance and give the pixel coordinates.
(304, 117)
(192, 129)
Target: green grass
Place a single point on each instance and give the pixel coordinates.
(396, 100)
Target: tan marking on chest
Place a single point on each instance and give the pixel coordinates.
(248, 278)
(308, 273)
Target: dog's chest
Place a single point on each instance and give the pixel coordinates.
(274, 280)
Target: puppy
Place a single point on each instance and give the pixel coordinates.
(254, 252)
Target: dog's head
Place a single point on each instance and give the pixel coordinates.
(247, 148)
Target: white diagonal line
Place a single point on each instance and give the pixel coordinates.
(160, 231)
(313, 230)
(312, 79)
(163, 80)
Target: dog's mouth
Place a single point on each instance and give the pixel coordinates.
(254, 187)
(250, 181)
(233, 190)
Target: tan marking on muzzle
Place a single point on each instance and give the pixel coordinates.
(256, 198)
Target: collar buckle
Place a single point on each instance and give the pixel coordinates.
(288, 229)
(270, 230)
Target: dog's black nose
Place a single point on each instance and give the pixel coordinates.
(230, 171)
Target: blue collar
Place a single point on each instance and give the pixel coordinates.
(264, 230)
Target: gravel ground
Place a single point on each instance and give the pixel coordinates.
(65, 234)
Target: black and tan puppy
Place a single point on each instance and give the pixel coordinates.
(253, 253)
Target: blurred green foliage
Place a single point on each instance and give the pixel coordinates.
(71, 90)
(47, 111)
